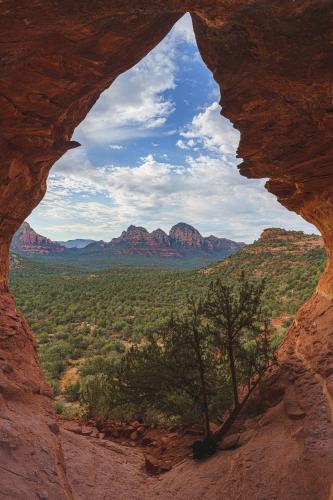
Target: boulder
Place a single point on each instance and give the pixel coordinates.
(134, 435)
(165, 467)
(147, 439)
(86, 431)
(152, 464)
(77, 429)
(230, 442)
(293, 410)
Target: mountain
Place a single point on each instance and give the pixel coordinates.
(77, 243)
(182, 240)
(183, 247)
(186, 237)
(27, 241)
(137, 240)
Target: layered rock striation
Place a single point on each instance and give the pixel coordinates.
(27, 241)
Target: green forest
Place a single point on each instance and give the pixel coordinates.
(82, 318)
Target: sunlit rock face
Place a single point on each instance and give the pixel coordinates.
(186, 236)
(273, 63)
(26, 240)
(138, 241)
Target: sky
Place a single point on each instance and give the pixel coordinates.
(155, 151)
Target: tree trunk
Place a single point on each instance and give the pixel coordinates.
(203, 384)
(205, 404)
(233, 373)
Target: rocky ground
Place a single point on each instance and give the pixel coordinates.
(254, 463)
(98, 469)
(160, 448)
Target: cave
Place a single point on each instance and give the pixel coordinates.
(272, 63)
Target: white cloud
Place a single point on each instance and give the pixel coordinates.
(181, 144)
(207, 192)
(183, 30)
(88, 200)
(212, 131)
(134, 106)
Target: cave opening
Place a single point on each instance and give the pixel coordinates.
(155, 151)
(266, 105)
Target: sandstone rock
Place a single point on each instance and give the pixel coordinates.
(182, 238)
(134, 435)
(164, 441)
(77, 429)
(186, 236)
(43, 495)
(86, 431)
(245, 437)
(94, 433)
(293, 410)
(165, 467)
(54, 427)
(152, 464)
(27, 241)
(273, 63)
(230, 442)
(147, 440)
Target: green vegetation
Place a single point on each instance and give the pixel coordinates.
(83, 259)
(240, 330)
(178, 374)
(82, 319)
(199, 359)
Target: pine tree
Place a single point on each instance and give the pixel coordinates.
(236, 313)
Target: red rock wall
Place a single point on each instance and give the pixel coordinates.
(273, 61)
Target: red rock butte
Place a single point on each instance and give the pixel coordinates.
(273, 62)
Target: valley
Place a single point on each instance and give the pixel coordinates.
(78, 315)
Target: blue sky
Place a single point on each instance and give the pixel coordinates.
(155, 151)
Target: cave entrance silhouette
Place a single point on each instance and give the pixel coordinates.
(272, 63)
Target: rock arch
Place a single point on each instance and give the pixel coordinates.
(273, 62)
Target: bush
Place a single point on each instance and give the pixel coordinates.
(95, 395)
(72, 391)
(59, 407)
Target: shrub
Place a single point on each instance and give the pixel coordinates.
(95, 395)
(59, 407)
(72, 391)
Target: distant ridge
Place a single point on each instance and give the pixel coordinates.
(183, 239)
(77, 243)
(27, 241)
(183, 247)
